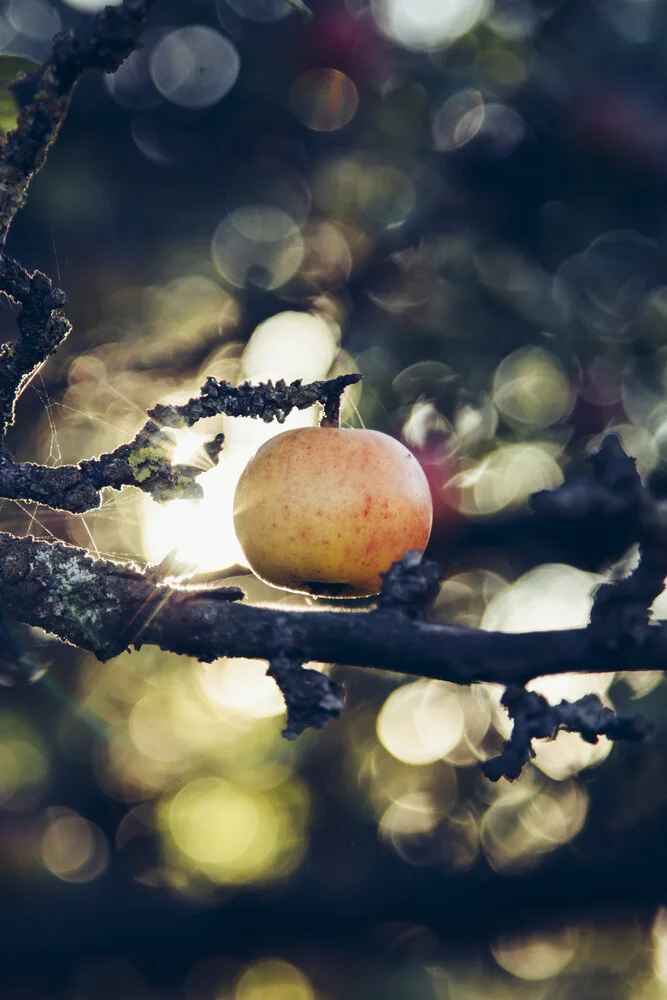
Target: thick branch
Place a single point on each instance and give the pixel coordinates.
(106, 607)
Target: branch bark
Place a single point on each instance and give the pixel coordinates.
(145, 462)
(107, 607)
(42, 329)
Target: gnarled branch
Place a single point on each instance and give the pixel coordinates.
(42, 328)
(107, 607)
(145, 462)
(534, 718)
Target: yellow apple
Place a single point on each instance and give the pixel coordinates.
(326, 510)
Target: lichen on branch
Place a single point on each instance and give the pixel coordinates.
(145, 462)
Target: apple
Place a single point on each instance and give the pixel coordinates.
(327, 510)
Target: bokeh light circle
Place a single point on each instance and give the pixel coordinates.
(270, 182)
(420, 722)
(232, 834)
(194, 66)
(35, 19)
(531, 390)
(262, 223)
(243, 260)
(324, 99)
(507, 477)
(535, 955)
(72, 848)
(292, 345)
(273, 979)
(91, 6)
(458, 120)
(428, 24)
(132, 84)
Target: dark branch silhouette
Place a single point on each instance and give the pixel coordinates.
(534, 718)
(144, 462)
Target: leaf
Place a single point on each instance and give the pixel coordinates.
(12, 68)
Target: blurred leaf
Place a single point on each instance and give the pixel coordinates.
(298, 5)
(11, 69)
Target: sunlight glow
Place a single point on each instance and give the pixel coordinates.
(234, 835)
(428, 24)
(421, 722)
(273, 979)
(242, 686)
(289, 345)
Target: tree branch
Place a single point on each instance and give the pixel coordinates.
(42, 328)
(267, 401)
(107, 607)
(144, 462)
(311, 698)
(111, 38)
(534, 718)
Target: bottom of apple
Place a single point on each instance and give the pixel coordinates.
(322, 588)
(333, 589)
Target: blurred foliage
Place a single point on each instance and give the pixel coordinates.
(465, 202)
(12, 69)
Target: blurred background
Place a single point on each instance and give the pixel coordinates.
(467, 202)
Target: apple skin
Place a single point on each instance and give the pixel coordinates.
(326, 510)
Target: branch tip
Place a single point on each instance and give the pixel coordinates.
(311, 698)
(534, 718)
(410, 585)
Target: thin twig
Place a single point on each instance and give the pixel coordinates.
(145, 462)
(534, 718)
